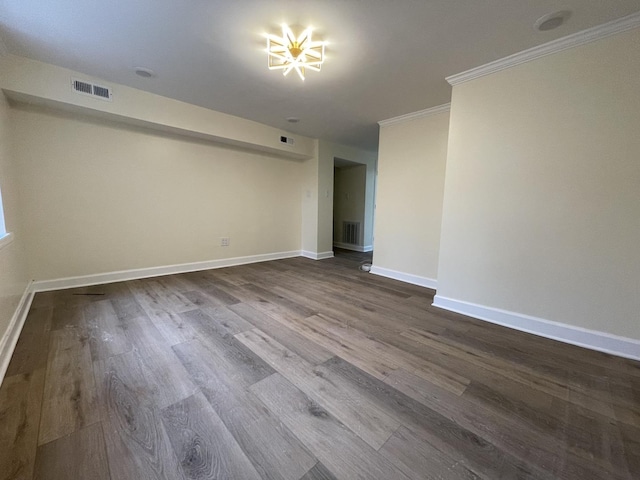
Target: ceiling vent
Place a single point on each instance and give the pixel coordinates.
(91, 89)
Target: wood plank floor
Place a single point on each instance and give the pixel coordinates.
(302, 370)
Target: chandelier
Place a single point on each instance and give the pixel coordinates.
(289, 52)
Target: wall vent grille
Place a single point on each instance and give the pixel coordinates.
(351, 232)
(92, 90)
(101, 92)
(82, 87)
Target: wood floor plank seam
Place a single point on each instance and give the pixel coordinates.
(242, 413)
(313, 425)
(42, 398)
(518, 372)
(364, 419)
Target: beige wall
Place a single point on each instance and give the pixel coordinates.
(411, 169)
(349, 199)
(310, 196)
(13, 276)
(100, 197)
(542, 195)
(27, 81)
(35, 83)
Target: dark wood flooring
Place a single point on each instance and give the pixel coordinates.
(296, 369)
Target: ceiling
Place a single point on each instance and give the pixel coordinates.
(384, 58)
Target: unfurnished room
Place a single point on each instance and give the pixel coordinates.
(320, 239)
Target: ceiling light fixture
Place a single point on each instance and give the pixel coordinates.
(289, 52)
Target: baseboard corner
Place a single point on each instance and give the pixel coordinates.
(10, 337)
(354, 248)
(405, 277)
(316, 255)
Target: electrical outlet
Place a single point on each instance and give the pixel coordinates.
(224, 241)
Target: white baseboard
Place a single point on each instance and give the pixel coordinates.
(405, 277)
(10, 338)
(355, 248)
(582, 337)
(316, 256)
(111, 277)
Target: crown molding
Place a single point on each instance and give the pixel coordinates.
(574, 40)
(412, 116)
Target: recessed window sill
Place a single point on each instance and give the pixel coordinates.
(6, 239)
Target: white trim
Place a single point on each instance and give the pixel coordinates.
(412, 116)
(582, 337)
(405, 277)
(574, 40)
(6, 239)
(110, 277)
(355, 248)
(316, 256)
(10, 338)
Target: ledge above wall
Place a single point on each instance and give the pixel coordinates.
(27, 81)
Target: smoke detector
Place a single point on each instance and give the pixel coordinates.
(552, 21)
(144, 72)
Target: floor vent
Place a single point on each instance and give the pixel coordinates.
(351, 232)
(92, 90)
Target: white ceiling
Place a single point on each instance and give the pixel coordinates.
(385, 58)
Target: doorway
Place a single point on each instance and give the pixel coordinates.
(353, 198)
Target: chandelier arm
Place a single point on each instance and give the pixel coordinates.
(289, 52)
